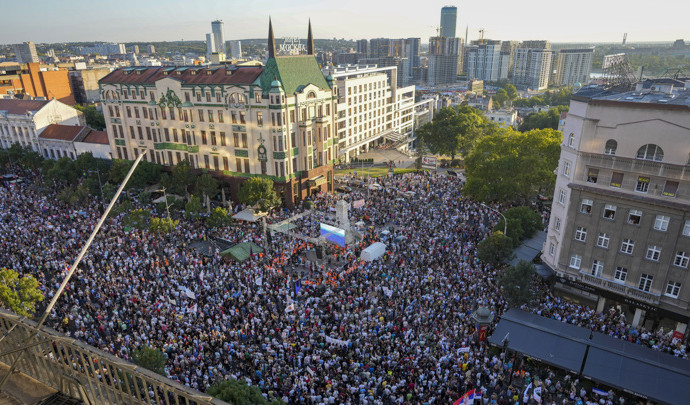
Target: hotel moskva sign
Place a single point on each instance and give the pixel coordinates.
(292, 46)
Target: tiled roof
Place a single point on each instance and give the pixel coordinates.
(294, 72)
(99, 137)
(17, 107)
(61, 132)
(186, 75)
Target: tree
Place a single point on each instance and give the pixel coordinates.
(501, 98)
(452, 131)
(237, 392)
(19, 294)
(182, 178)
(193, 207)
(508, 165)
(219, 217)
(146, 173)
(495, 249)
(162, 226)
(259, 191)
(511, 91)
(93, 117)
(516, 283)
(138, 219)
(150, 358)
(64, 170)
(72, 196)
(207, 186)
(544, 119)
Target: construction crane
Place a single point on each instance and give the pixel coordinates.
(481, 36)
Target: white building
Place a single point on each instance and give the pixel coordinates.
(22, 121)
(103, 49)
(532, 67)
(483, 62)
(573, 66)
(372, 108)
(236, 49)
(504, 118)
(620, 222)
(218, 36)
(58, 141)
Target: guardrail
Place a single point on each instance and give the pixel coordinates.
(87, 373)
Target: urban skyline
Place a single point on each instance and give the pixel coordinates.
(189, 21)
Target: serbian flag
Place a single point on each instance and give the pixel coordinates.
(466, 399)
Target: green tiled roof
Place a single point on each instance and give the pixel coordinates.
(294, 72)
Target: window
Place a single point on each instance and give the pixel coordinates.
(566, 168)
(246, 165)
(581, 234)
(686, 228)
(650, 152)
(571, 140)
(552, 248)
(221, 119)
(661, 223)
(226, 164)
(257, 97)
(238, 163)
(561, 196)
(653, 253)
(260, 118)
(242, 117)
(634, 217)
(201, 115)
(223, 142)
(603, 240)
(670, 188)
(236, 140)
(642, 184)
(681, 259)
(627, 246)
(207, 165)
(557, 224)
(597, 268)
(672, 289)
(244, 141)
(616, 180)
(204, 139)
(645, 282)
(575, 261)
(210, 115)
(586, 206)
(609, 211)
(592, 175)
(621, 274)
(208, 100)
(610, 148)
(233, 117)
(213, 137)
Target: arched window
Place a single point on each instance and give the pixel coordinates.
(611, 146)
(237, 98)
(311, 95)
(571, 140)
(650, 152)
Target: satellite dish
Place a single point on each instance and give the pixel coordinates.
(577, 86)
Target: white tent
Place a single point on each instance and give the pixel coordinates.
(373, 252)
(249, 215)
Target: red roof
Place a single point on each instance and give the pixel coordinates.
(17, 107)
(100, 137)
(61, 132)
(186, 75)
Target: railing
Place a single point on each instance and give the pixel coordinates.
(87, 373)
(620, 288)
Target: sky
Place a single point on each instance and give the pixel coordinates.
(50, 21)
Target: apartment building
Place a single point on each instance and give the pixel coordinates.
(22, 121)
(619, 232)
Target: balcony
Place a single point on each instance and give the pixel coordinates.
(622, 289)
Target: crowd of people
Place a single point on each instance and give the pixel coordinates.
(392, 331)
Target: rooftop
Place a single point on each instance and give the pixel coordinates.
(186, 75)
(59, 132)
(663, 91)
(17, 107)
(99, 137)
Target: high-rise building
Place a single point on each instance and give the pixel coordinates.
(413, 71)
(442, 62)
(152, 49)
(532, 66)
(449, 20)
(573, 66)
(363, 48)
(235, 49)
(483, 61)
(508, 48)
(218, 36)
(620, 221)
(276, 122)
(103, 49)
(210, 46)
(26, 53)
(135, 49)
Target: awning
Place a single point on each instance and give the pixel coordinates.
(249, 215)
(317, 181)
(242, 251)
(529, 248)
(616, 363)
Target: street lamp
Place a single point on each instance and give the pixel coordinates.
(167, 207)
(505, 221)
(483, 317)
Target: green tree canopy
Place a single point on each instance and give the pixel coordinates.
(543, 119)
(452, 131)
(237, 392)
(219, 217)
(553, 98)
(523, 222)
(64, 170)
(93, 117)
(146, 173)
(495, 249)
(516, 283)
(162, 226)
(259, 191)
(511, 91)
(150, 358)
(501, 98)
(138, 219)
(508, 165)
(20, 294)
(207, 186)
(193, 207)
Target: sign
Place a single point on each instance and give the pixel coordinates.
(292, 45)
(429, 162)
(358, 204)
(483, 330)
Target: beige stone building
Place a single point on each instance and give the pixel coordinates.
(619, 232)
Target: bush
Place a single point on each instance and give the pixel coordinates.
(237, 392)
(516, 282)
(523, 222)
(495, 249)
(150, 358)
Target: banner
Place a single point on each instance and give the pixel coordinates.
(358, 204)
(429, 162)
(339, 342)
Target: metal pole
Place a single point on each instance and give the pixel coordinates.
(505, 221)
(72, 269)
